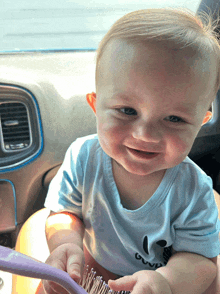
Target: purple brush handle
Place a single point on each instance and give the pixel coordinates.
(20, 264)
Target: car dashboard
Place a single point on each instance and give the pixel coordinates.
(43, 109)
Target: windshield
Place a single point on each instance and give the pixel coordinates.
(67, 24)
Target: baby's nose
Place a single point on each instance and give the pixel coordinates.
(147, 132)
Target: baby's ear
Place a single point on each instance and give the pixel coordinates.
(207, 117)
(91, 99)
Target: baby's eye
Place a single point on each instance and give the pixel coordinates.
(128, 111)
(174, 119)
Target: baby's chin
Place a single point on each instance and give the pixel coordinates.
(132, 170)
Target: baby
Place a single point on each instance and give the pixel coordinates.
(137, 204)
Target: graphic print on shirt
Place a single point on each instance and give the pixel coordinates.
(167, 252)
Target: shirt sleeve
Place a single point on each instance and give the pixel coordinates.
(65, 190)
(197, 227)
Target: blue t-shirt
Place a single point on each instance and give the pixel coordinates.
(181, 214)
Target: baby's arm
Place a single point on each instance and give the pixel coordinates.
(189, 272)
(184, 273)
(63, 228)
(64, 233)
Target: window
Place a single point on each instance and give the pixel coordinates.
(66, 24)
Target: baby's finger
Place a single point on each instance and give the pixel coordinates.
(75, 264)
(123, 284)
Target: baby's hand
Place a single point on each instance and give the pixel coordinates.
(142, 282)
(67, 257)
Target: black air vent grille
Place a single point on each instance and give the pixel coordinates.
(15, 125)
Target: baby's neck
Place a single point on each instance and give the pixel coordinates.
(135, 190)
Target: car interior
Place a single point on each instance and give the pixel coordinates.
(43, 109)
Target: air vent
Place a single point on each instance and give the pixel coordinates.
(15, 126)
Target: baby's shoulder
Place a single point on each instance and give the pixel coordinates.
(190, 168)
(89, 139)
(84, 150)
(192, 176)
(85, 143)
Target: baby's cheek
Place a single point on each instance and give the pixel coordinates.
(111, 128)
(179, 147)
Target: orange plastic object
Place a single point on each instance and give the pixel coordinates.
(31, 241)
(40, 289)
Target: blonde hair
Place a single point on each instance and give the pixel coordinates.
(180, 27)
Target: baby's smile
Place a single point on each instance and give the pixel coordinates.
(140, 154)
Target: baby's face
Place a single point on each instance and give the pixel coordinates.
(150, 105)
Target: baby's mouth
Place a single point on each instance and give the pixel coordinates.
(145, 152)
(142, 154)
